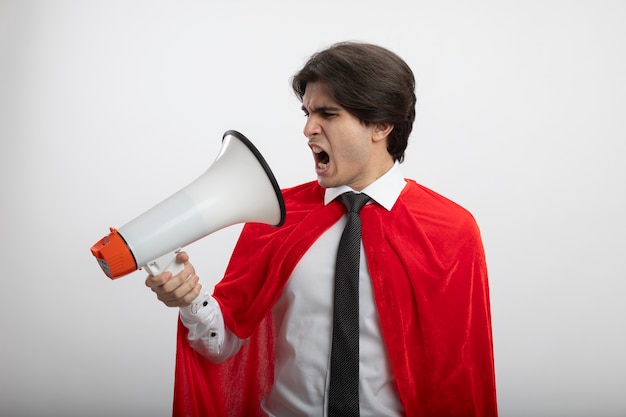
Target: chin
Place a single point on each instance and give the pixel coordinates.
(325, 183)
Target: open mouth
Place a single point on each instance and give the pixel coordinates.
(321, 157)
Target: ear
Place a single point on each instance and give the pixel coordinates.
(381, 131)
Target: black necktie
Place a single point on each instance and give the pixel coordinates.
(343, 392)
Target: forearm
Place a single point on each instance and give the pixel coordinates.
(207, 333)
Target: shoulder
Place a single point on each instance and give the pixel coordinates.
(303, 197)
(309, 191)
(428, 205)
(416, 191)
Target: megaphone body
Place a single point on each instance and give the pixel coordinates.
(238, 187)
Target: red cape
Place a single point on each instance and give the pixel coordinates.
(429, 279)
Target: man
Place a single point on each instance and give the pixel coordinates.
(264, 342)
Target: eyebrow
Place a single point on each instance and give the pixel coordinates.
(322, 109)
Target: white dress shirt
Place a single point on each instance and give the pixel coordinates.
(303, 316)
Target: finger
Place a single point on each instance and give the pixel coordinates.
(172, 283)
(154, 281)
(182, 257)
(193, 294)
(174, 300)
(190, 296)
(175, 289)
(186, 300)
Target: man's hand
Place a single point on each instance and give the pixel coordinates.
(178, 290)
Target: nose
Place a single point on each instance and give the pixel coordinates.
(311, 127)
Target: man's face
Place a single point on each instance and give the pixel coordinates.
(346, 151)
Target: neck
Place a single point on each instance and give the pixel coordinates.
(378, 171)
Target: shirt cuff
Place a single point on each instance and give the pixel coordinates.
(201, 308)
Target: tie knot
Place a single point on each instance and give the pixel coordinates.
(354, 202)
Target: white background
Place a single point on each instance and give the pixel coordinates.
(108, 107)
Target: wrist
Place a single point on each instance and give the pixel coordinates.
(199, 308)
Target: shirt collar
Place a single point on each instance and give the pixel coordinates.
(385, 190)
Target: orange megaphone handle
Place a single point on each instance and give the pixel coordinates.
(114, 256)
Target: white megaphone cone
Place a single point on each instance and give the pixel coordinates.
(238, 187)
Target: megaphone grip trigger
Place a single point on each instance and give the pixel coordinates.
(164, 263)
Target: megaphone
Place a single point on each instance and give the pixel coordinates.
(238, 187)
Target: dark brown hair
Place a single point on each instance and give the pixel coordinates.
(372, 83)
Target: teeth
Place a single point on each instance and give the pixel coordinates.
(317, 150)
